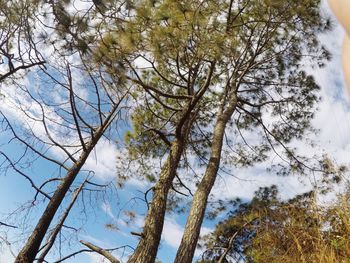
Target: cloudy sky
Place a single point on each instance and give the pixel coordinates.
(332, 119)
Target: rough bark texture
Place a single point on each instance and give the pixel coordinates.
(190, 237)
(146, 251)
(147, 248)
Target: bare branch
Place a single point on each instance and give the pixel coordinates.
(100, 251)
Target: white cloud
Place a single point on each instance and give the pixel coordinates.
(172, 233)
(103, 159)
(6, 256)
(26, 114)
(332, 119)
(95, 241)
(106, 207)
(230, 187)
(96, 258)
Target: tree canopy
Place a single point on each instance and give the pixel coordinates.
(268, 229)
(186, 89)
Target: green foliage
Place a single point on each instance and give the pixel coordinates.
(187, 61)
(258, 47)
(297, 230)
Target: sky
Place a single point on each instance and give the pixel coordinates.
(332, 119)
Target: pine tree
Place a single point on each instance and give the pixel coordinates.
(268, 229)
(212, 68)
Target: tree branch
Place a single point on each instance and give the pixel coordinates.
(100, 251)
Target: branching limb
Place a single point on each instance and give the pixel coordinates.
(14, 167)
(100, 251)
(14, 70)
(232, 238)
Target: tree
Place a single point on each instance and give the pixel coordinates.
(172, 100)
(286, 74)
(49, 125)
(18, 48)
(196, 71)
(69, 128)
(268, 229)
(246, 58)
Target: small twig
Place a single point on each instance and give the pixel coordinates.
(137, 234)
(4, 224)
(232, 238)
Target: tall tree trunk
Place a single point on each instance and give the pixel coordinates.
(190, 237)
(31, 248)
(147, 248)
(146, 251)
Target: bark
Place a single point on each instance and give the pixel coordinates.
(190, 237)
(147, 248)
(31, 248)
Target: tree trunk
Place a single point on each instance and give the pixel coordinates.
(31, 248)
(190, 237)
(147, 248)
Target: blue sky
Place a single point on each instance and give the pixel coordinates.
(333, 120)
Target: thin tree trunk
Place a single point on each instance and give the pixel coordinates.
(31, 248)
(59, 225)
(147, 248)
(190, 237)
